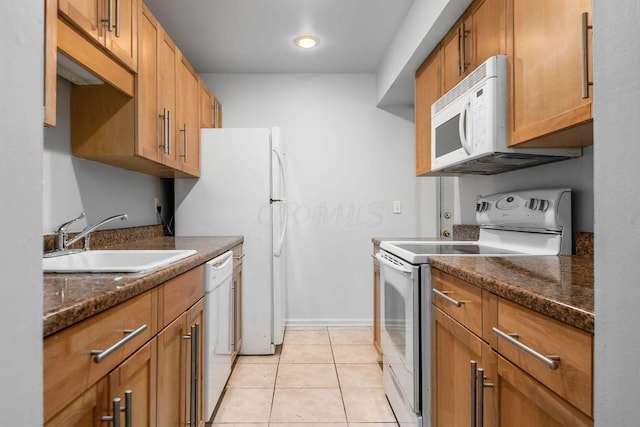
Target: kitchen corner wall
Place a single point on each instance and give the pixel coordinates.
(72, 185)
(576, 174)
(346, 162)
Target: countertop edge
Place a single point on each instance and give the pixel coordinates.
(557, 310)
(134, 284)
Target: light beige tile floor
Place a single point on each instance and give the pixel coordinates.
(320, 377)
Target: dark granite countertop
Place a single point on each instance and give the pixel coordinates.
(560, 287)
(70, 298)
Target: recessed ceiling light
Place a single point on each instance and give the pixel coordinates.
(306, 41)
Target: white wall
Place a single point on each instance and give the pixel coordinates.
(347, 161)
(20, 215)
(617, 211)
(73, 185)
(576, 174)
(427, 22)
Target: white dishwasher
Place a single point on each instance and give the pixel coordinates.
(217, 335)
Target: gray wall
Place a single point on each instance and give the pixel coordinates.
(73, 185)
(347, 161)
(576, 174)
(21, 213)
(617, 211)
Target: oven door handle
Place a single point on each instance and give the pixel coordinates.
(401, 268)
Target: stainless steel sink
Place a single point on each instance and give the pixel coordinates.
(113, 261)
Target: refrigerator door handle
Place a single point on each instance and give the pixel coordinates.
(283, 232)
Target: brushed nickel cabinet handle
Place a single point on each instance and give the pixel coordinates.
(585, 55)
(168, 132)
(550, 361)
(115, 418)
(474, 393)
(459, 51)
(186, 143)
(128, 408)
(117, 25)
(100, 355)
(480, 386)
(109, 20)
(443, 295)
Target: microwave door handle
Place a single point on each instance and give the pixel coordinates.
(463, 127)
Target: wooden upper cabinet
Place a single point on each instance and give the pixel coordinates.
(111, 23)
(546, 58)
(167, 75)
(85, 15)
(428, 90)
(149, 127)
(50, 61)
(122, 40)
(188, 119)
(210, 108)
(478, 35)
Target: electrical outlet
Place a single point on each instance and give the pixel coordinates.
(156, 203)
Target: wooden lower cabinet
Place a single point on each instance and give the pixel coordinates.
(135, 375)
(377, 343)
(455, 350)
(506, 386)
(175, 375)
(524, 402)
(163, 371)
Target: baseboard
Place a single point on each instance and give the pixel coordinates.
(328, 322)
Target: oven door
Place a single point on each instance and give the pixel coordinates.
(400, 333)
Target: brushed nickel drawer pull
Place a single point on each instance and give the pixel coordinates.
(550, 361)
(443, 295)
(239, 257)
(585, 55)
(100, 355)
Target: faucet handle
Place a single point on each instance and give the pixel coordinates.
(61, 234)
(63, 227)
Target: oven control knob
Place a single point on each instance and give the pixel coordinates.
(543, 205)
(485, 206)
(478, 207)
(533, 204)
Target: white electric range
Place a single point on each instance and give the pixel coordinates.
(519, 223)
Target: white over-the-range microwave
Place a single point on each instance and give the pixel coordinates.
(469, 127)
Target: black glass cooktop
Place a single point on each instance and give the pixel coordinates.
(459, 249)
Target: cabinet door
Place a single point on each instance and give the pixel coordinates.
(188, 120)
(149, 124)
(194, 351)
(524, 402)
(376, 305)
(167, 60)
(171, 371)
(487, 31)
(456, 54)
(136, 376)
(236, 315)
(50, 61)
(546, 83)
(122, 40)
(82, 412)
(454, 348)
(206, 106)
(85, 14)
(428, 90)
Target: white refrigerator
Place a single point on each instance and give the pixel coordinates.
(242, 191)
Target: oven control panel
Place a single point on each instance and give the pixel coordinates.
(532, 210)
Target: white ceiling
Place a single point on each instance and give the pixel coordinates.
(256, 36)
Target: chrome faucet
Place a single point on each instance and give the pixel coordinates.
(62, 241)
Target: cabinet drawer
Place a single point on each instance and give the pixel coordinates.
(573, 377)
(69, 367)
(237, 255)
(469, 298)
(178, 294)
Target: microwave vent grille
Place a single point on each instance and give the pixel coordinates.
(496, 163)
(470, 81)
